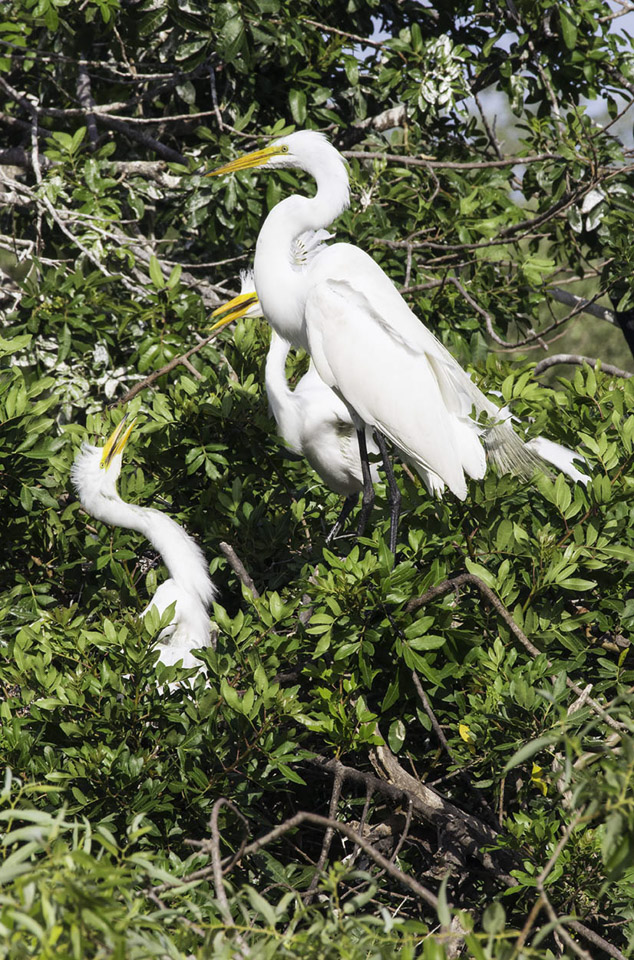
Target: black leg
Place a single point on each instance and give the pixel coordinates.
(368, 487)
(348, 505)
(395, 493)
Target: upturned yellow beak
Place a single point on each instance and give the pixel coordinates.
(116, 441)
(257, 158)
(234, 309)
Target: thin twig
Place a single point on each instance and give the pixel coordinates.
(558, 924)
(377, 44)
(166, 369)
(366, 846)
(337, 784)
(432, 716)
(464, 579)
(239, 568)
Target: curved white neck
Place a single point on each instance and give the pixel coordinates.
(282, 401)
(279, 281)
(181, 554)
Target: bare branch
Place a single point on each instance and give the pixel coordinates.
(467, 832)
(579, 360)
(595, 939)
(558, 924)
(446, 164)
(377, 44)
(239, 568)
(85, 97)
(216, 865)
(329, 834)
(114, 123)
(166, 369)
(587, 306)
(442, 739)
(305, 817)
(464, 579)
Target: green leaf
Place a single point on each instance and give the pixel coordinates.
(479, 571)
(529, 750)
(396, 735)
(297, 103)
(577, 583)
(568, 26)
(427, 642)
(156, 274)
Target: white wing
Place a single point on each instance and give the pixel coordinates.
(395, 375)
(392, 383)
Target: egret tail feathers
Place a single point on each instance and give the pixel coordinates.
(510, 454)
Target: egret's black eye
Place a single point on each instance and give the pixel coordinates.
(284, 148)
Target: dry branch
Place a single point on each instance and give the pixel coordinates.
(239, 568)
(574, 358)
(303, 817)
(432, 163)
(166, 369)
(466, 833)
(465, 579)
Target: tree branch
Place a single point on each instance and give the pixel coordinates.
(445, 164)
(466, 579)
(579, 360)
(572, 300)
(304, 817)
(239, 568)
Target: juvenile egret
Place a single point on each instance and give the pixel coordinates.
(94, 475)
(394, 376)
(312, 419)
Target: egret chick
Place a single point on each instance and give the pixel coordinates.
(94, 475)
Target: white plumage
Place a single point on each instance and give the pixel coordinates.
(94, 475)
(366, 344)
(311, 418)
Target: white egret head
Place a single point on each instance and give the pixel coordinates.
(246, 304)
(304, 150)
(96, 469)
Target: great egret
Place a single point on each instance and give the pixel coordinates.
(312, 419)
(394, 376)
(94, 475)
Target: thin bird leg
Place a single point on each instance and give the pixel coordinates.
(395, 493)
(367, 501)
(348, 505)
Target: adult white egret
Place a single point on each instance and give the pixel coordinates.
(311, 418)
(393, 374)
(94, 475)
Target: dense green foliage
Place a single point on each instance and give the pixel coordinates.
(113, 250)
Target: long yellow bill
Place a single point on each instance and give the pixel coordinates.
(257, 158)
(117, 441)
(233, 310)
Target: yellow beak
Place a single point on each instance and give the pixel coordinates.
(257, 158)
(116, 441)
(234, 309)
